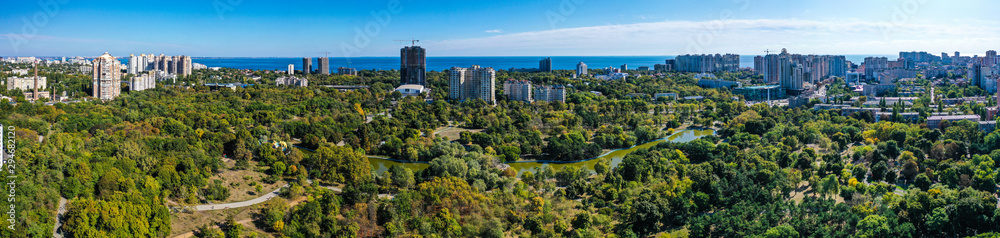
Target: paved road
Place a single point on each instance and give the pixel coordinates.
(264, 198)
(246, 203)
(57, 231)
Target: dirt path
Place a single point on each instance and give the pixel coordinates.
(244, 222)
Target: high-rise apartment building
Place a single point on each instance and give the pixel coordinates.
(707, 63)
(875, 65)
(545, 65)
(945, 59)
(142, 82)
(991, 59)
(183, 65)
(413, 65)
(161, 63)
(819, 67)
(107, 78)
(291, 69)
(919, 57)
(171, 64)
(793, 76)
(143, 63)
(133, 64)
(180, 65)
(150, 62)
(581, 69)
(978, 75)
(517, 90)
(324, 65)
(307, 65)
(472, 83)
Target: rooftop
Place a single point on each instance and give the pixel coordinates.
(762, 87)
(953, 117)
(411, 86)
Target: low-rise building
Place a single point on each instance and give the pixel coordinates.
(761, 93)
(847, 111)
(231, 86)
(41, 94)
(957, 101)
(666, 95)
(905, 116)
(876, 102)
(636, 95)
(872, 90)
(27, 83)
(991, 113)
(292, 81)
(934, 122)
(612, 76)
(411, 90)
(799, 101)
(662, 67)
(829, 107)
(347, 71)
(715, 83)
(988, 126)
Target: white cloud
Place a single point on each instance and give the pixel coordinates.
(495, 31)
(848, 36)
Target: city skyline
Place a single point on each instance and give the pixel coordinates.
(567, 28)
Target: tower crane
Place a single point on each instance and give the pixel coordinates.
(412, 41)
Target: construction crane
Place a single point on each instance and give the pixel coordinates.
(412, 41)
(327, 54)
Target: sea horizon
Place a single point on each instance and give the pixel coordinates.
(441, 63)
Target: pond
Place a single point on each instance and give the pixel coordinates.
(380, 165)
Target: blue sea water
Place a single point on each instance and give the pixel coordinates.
(438, 63)
(443, 63)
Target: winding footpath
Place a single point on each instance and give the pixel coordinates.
(268, 196)
(57, 231)
(247, 203)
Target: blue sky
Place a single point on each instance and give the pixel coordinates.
(245, 28)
